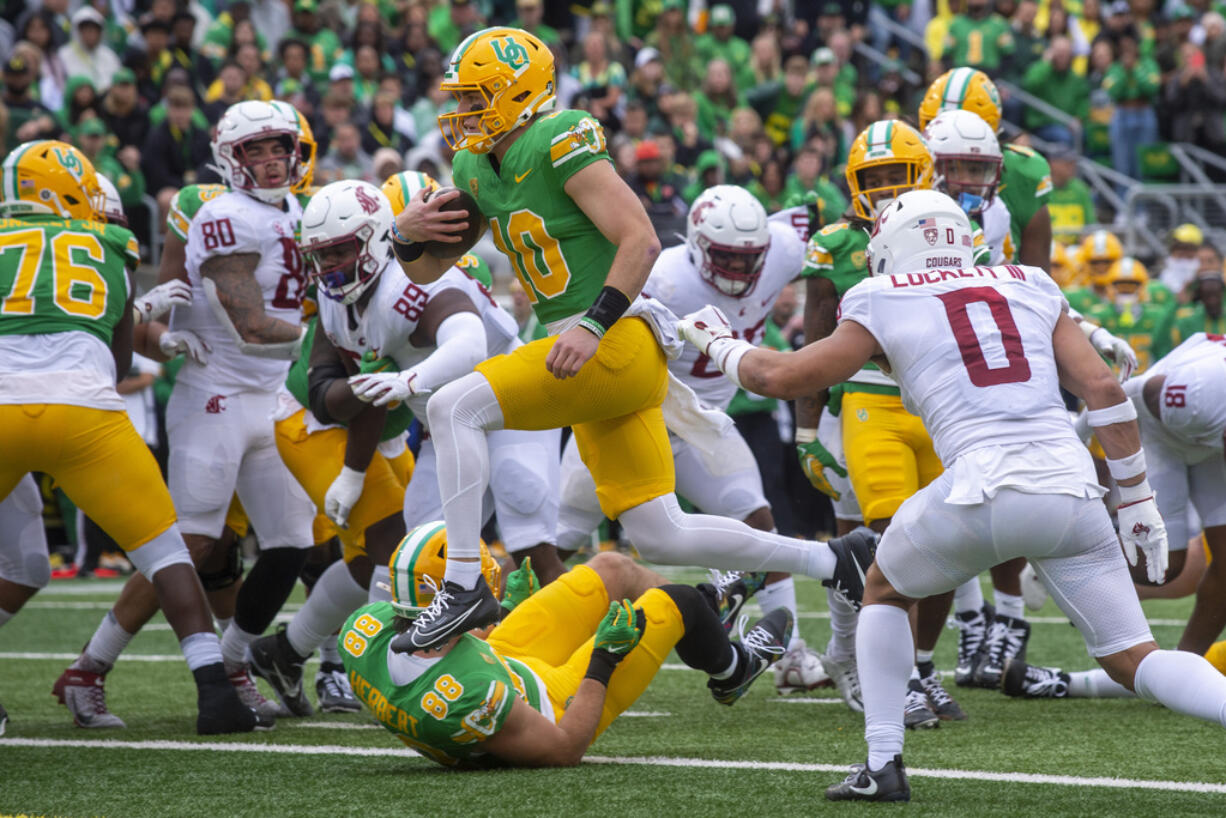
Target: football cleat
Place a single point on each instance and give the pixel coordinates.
(800, 669)
(221, 711)
(862, 784)
(1006, 640)
(1034, 682)
(939, 700)
(733, 589)
(846, 678)
(1034, 592)
(760, 647)
(4, 719)
(333, 690)
(84, 694)
(275, 661)
(453, 610)
(249, 694)
(973, 627)
(854, 554)
(916, 714)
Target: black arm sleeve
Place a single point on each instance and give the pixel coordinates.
(319, 378)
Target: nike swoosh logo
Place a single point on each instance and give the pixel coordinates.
(734, 602)
(859, 570)
(519, 177)
(294, 690)
(430, 636)
(870, 790)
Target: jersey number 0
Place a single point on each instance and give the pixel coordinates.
(956, 302)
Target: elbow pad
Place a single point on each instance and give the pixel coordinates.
(319, 378)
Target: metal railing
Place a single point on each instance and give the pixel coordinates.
(901, 32)
(1047, 109)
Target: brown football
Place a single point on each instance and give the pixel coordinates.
(476, 225)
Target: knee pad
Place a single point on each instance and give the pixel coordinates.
(520, 487)
(228, 574)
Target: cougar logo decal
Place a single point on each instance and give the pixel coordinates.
(368, 203)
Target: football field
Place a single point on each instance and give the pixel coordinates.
(676, 752)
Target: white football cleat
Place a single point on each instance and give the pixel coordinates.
(799, 670)
(846, 678)
(1034, 592)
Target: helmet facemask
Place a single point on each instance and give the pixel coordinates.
(731, 270)
(880, 183)
(344, 267)
(968, 179)
(244, 176)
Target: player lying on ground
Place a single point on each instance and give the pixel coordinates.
(1018, 482)
(556, 671)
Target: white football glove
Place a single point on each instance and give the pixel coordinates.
(159, 301)
(343, 495)
(702, 327)
(184, 342)
(1141, 527)
(1115, 349)
(382, 388)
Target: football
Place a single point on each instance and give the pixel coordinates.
(476, 225)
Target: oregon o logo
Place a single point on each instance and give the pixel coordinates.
(511, 53)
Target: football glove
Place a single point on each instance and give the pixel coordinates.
(1141, 527)
(521, 584)
(159, 301)
(621, 629)
(704, 326)
(343, 495)
(1116, 350)
(184, 342)
(815, 459)
(382, 388)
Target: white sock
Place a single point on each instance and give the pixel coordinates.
(1010, 605)
(234, 644)
(460, 414)
(665, 534)
(922, 656)
(843, 618)
(1183, 682)
(885, 653)
(335, 596)
(223, 622)
(5, 616)
(1096, 684)
(328, 654)
(380, 585)
(201, 649)
(107, 642)
(968, 597)
(781, 594)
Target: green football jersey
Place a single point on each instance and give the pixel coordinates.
(187, 203)
(456, 703)
(1083, 299)
(475, 267)
(979, 43)
(1146, 328)
(61, 275)
(1192, 319)
(560, 256)
(1025, 185)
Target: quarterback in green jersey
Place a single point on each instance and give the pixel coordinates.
(565, 661)
(582, 246)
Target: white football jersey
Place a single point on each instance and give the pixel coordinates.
(236, 223)
(995, 220)
(1193, 399)
(676, 282)
(796, 218)
(392, 315)
(972, 352)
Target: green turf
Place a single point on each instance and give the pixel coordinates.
(1126, 739)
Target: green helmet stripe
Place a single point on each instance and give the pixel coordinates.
(10, 171)
(404, 588)
(955, 90)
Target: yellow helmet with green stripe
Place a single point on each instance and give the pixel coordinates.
(964, 88)
(903, 157)
(307, 147)
(417, 567)
(49, 176)
(399, 188)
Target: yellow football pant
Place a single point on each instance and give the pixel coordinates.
(889, 453)
(613, 404)
(99, 460)
(552, 632)
(315, 459)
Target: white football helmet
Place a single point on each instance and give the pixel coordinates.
(728, 236)
(251, 121)
(346, 238)
(114, 207)
(967, 157)
(920, 230)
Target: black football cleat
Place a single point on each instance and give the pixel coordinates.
(733, 589)
(453, 611)
(275, 661)
(219, 710)
(1033, 682)
(854, 554)
(1006, 641)
(862, 784)
(973, 633)
(760, 647)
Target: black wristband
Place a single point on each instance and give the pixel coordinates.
(610, 305)
(408, 253)
(601, 666)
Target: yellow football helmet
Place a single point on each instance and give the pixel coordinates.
(1062, 271)
(307, 148)
(1099, 251)
(401, 187)
(1126, 280)
(886, 143)
(49, 176)
(963, 88)
(417, 567)
(514, 73)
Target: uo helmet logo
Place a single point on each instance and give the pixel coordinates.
(69, 161)
(511, 53)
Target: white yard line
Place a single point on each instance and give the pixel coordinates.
(646, 761)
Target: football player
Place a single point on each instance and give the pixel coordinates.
(582, 246)
(1128, 313)
(542, 686)
(1019, 482)
(737, 258)
(65, 330)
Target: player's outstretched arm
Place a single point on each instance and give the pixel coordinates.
(236, 299)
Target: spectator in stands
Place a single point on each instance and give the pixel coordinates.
(37, 27)
(780, 103)
(601, 80)
(1070, 204)
(766, 62)
(682, 113)
(183, 51)
(709, 170)
(367, 67)
(122, 168)
(1214, 46)
(717, 99)
(155, 62)
(819, 119)
(1054, 81)
(86, 54)
(248, 55)
(1195, 97)
(123, 111)
(293, 74)
(647, 82)
(80, 102)
(659, 190)
(770, 187)
(719, 43)
(979, 38)
(531, 14)
(830, 72)
(386, 162)
(271, 19)
(28, 119)
(345, 158)
(880, 14)
(380, 129)
(229, 87)
(177, 150)
(451, 22)
(324, 47)
(672, 38)
(1132, 82)
(1029, 42)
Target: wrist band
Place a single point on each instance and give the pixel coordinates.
(726, 354)
(804, 436)
(601, 666)
(1127, 467)
(610, 305)
(1131, 495)
(398, 236)
(1088, 327)
(1119, 413)
(408, 253)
